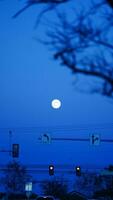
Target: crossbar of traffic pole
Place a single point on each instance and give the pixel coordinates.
(79, 139)
(5, 151)
(106, 140)
(71, 139)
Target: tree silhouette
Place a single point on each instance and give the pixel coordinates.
(93, 184)
(50, 5)
(15, 177)
(110, 2)
(56, 188)
(84, 44)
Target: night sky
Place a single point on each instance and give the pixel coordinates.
(29, 80)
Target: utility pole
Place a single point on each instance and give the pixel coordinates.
(10, 142)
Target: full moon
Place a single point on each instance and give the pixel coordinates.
(56, 103)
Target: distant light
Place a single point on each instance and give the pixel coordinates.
(28, 187)
(56, 103)
(51, 167)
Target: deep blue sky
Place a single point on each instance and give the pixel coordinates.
(30, 79)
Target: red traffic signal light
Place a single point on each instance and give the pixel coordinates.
(78, 171)
(51, 170)
(15, 150)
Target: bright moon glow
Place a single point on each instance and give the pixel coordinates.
(56, 103)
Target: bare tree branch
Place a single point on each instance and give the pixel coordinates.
(110, 2)
(85, 45)
(52, 4)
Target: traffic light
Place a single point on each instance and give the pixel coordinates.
(15, 150)
(51, 170)
(78, 171)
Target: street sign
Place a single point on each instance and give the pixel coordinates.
(46, 138)
(95, 139)
(28, 187)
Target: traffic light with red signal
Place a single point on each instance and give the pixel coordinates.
(15, 150)
(51, 170)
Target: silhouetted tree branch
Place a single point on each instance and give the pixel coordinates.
(85, 44)
(110, 2)
(50, 5)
